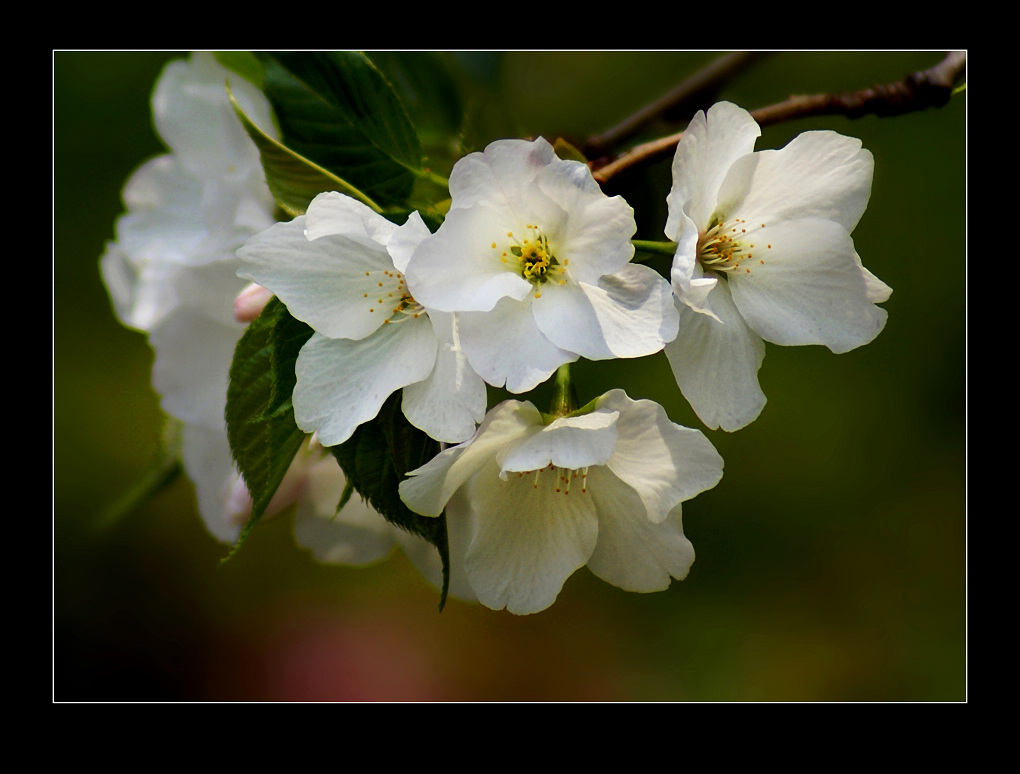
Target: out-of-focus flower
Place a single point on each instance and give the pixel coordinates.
(528, 503)
(340, 268)
(358, 535)
(195, 205)
(536, 261)
(172, 273)
(764, 253)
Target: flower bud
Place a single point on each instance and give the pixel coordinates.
(250, 302)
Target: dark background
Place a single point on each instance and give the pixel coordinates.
(831, 558)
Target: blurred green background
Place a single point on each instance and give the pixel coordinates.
(831, 558)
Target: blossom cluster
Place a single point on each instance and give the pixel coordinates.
(531, 269)
(172, 274)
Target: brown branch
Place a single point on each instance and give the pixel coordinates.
(917, 91)
(697, 85)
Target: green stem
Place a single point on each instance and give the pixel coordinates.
(564, 398)
(160, 476)
(432, 177)
(658, 248)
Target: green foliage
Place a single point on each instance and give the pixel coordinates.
(260, 416)
(376, 459)
(244, 63)
(338, 110)
(427, 89)
(293, 180)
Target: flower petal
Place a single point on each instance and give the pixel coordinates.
(632, 552)
(190, 372)
(663, 462)
(451, 401)
(566, 316)
(527, 540)
(878, 291)
(808, 288)
(635, 311)
(205, 454)
(628, 314)
(503, 172)
(594, 232)
(818, 174)
(506, 346)
(430, 487)
(193, 116)
(709, 146)
(342, 383)
(694, 290)
(405, 240)
(334, 214)
(716, 361)
(165, 221)
(458, 269)
(341, 287)
(572, 443)
(141, 292)
(685, 259)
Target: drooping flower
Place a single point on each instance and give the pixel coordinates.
(528, 503)
(536, 261)
(340, 269)
(764, 252)
(171, 273)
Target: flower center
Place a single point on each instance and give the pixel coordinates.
(392, 297)
(726, 246)
(559, 479)
(532, 256)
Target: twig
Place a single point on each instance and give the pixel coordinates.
(708, 78)
(917, 91)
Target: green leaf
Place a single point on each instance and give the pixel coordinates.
(244, 63)
(293, 180)
(427, 89)
(377, 458)
(260, 416)
(338, 110)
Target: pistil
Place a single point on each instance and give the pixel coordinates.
(533, 257)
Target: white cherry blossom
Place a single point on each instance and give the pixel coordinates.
(536, 261)
(172, 274)
(340, 269)
(528, 503)
(195, 205)
(764, 253)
